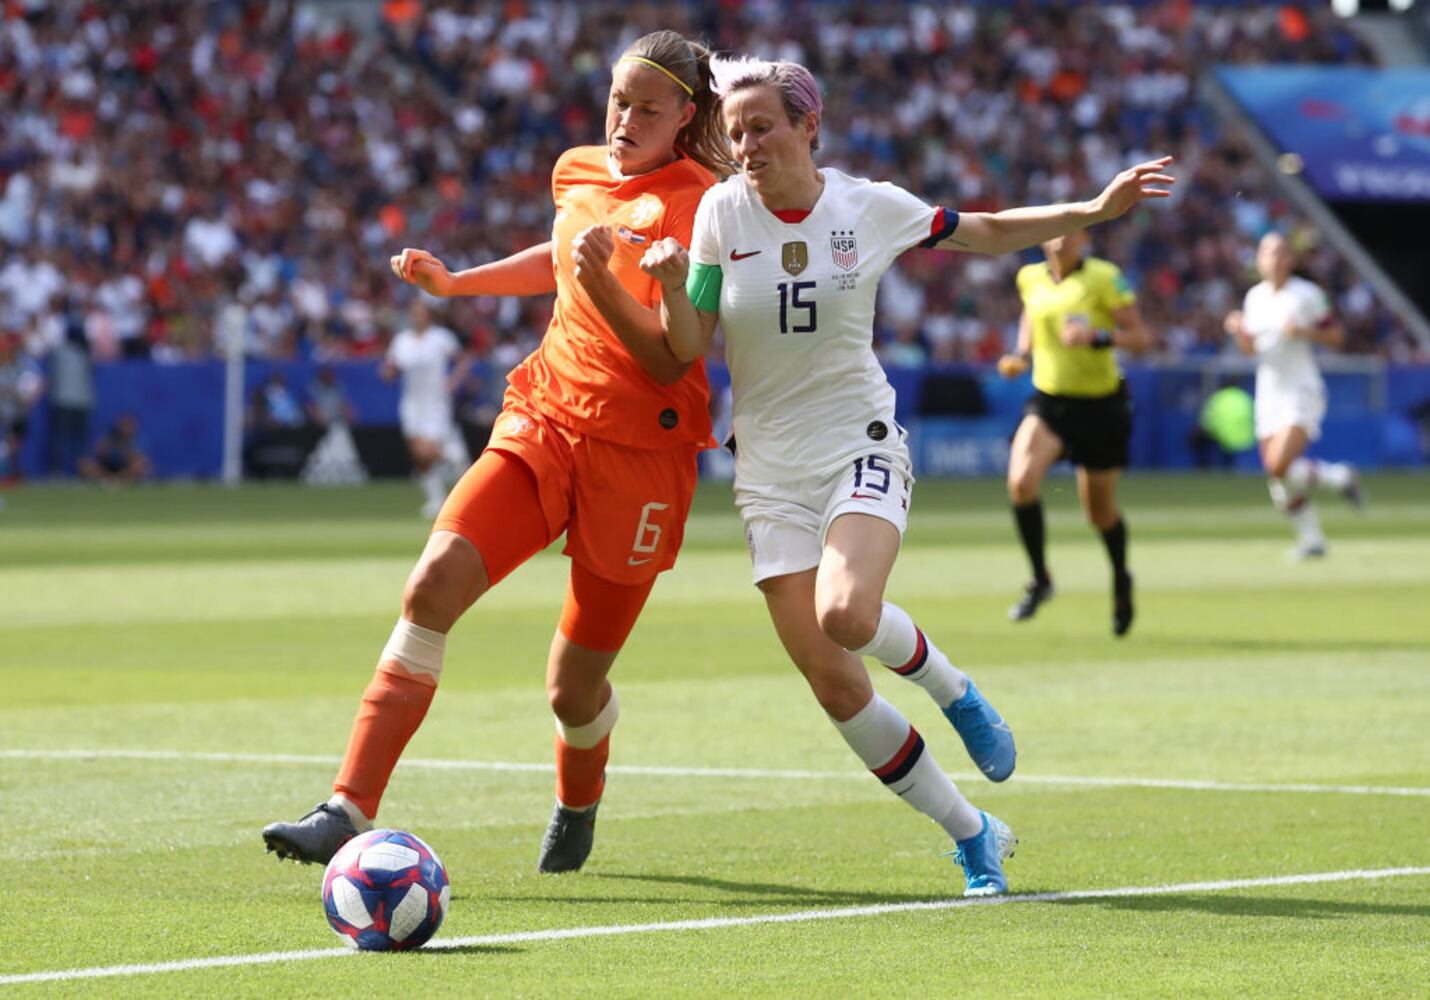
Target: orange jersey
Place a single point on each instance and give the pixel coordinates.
(581, 375)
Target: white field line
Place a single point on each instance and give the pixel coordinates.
(718, 923)
(1185, 784)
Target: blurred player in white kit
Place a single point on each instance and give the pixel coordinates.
(1281, 321)
(423, 354)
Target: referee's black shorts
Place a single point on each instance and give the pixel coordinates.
(1095, 430)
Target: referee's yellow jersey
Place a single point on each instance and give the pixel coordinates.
(1093, 291)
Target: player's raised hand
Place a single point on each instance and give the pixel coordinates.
(1235, 323)
(1133, 186)
(667, 262)
(1012, 365)
(591, 250)
(420, 268)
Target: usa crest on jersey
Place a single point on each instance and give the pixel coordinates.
(843, 248)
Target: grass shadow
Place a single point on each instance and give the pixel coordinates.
(767, 892)
(1248, 644)
(469, 949)
(754, 893)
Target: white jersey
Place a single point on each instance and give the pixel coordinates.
(797, 310)
(1285, 366)
(423, 359)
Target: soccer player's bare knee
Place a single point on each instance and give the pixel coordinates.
(447, 579)
(1023, 487)
(847, 619)
(575, 702)
(1024, 481)
(1102, 512)
(840, 692)
(576, 685)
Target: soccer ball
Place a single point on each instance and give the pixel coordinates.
(385, 890)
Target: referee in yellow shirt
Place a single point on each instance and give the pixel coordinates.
(1076, 309)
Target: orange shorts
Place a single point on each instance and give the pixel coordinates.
(623, 509)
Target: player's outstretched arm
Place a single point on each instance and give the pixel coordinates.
(639, 329)
(687, 329)
(526, 272)
(1016, 228)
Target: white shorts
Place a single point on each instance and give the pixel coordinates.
(1279, 409)
(426, 421)
(786, 523)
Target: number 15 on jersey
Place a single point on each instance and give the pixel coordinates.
(791, 300)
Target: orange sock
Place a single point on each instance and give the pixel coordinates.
(392, 708)
(581, 774)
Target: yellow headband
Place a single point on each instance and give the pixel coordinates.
(689, 91)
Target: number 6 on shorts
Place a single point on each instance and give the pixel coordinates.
(647, 535)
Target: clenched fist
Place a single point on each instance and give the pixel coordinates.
(667, 262)
(591, 250)
(1012, 365)
(420, 268)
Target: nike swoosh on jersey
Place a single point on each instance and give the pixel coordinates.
(737, 255)
(633, 561)
(866, 496)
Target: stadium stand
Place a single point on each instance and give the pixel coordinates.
(157, 159)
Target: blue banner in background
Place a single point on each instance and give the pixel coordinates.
(180, 412)
(1362, 134)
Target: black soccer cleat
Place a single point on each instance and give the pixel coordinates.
(1034, 594)
(314, 839)
(1122, 609)
(568, 840)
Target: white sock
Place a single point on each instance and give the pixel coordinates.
(433, 487)
(901, 646)
(1305, 474)
(361, 823)
(895, 752)
(1307, 524)
(1298, 510)
(1280, 495)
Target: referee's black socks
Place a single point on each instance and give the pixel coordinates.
(1030, 529)
(1115, 538)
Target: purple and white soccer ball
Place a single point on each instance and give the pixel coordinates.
(385, 890)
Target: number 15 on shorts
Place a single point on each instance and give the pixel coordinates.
(647, 535)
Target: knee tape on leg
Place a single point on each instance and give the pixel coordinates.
(587, 736)
(417, 650)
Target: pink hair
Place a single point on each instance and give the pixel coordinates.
(796, 85)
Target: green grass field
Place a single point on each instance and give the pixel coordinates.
(204, 651)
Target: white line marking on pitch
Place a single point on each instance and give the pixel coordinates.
(717, 923)
(1186, 784)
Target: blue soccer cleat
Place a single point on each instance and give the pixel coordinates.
(981, 858)
(984, 733)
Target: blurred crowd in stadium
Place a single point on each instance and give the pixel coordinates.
(158, 159)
